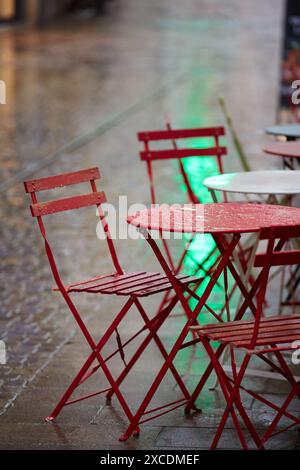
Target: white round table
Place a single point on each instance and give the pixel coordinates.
(270, 182)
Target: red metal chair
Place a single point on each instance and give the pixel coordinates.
(263, 337)
(148, 155)
(132, 286)
(173, 135)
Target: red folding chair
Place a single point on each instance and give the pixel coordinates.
(149, 155)
(132, 286)
(263, 337)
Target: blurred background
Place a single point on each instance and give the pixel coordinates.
(37, 12)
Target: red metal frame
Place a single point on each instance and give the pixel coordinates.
(263, 337)
(192, 315)
(173, 135)
(221, 220)
(149, 155)
(131, 285)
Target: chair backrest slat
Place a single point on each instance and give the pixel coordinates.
(66, 204)
(278, 256)
(58, 181)
(94, 198)
(289, 231)
(174, 134)
(182, 153)
(198, 149)
(274, 255)
(282, 258)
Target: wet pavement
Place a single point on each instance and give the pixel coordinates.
(77, 94)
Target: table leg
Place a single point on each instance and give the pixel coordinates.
(191, 315)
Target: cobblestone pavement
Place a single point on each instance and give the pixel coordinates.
(77, 93)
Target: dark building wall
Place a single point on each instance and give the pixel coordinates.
(49, 10)
(39, 12)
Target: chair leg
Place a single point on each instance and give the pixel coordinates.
(74, 384)
(155, 384)
(229, 410)
(164, 314)
(231, 395)
(191, 315)
(117, 391)
(286, 369)
(163, 351)
(94, 355)
(269, 432)
(204, 379)
(178, 343)
(294, 391)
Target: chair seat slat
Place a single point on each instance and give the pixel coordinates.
(240, 325)
(99, 282)
(138, 284)
(287, 339)
(159, 281)
(266, 333)
(127, 282)
(272, 330)
(167, 286)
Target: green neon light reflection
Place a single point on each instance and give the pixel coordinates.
(194, 360)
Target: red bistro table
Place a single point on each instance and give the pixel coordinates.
(221, 219)
(289, 152)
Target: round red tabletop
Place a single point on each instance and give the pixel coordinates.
(215, 218)
(284, 149)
